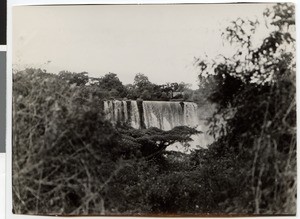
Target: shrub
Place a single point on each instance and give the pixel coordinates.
(256, 119)
(62, 147)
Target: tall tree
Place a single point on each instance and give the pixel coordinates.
(255, 91)
(141, 81)
(111, 82)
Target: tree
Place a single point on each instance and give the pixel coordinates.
(141, 81)
(63, 125)
(146, 95)
(111, 82)
(255, 122)
(164, 96)
(154, 141)
(183, 86)
(157, 92)
(79, 79)
(132, 92)
(143, 86)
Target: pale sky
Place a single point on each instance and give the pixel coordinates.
(159, 41)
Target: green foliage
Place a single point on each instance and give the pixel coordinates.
(146, 90)
(78, 79)
(132, 93)
(154, 141)
(112, 83)
(110, 86)
(146, 95)
(256, 119)
(56, 146)
(141, 81)
(67, 159)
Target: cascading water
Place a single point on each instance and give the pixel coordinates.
(161, 114)
(135, 116)
(122, 111)
(115, 111)
(164, 115)
(167, 115)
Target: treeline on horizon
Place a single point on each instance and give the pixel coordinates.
(69, 160)
(141, 88)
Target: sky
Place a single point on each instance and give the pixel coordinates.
(160, 41)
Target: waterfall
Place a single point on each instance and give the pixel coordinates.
(164, 115)
(115, 111)
(125, 112)
(135, 117)
(167, 115)
(122, 111)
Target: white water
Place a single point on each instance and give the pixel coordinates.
(135, 117)
(164, 115)
(167, 115)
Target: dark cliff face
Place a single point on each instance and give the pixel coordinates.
(182, 105)
(128, 105)
(141, 113)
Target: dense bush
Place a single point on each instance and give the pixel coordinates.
(256, 118)
(56, 146)
(67, 159)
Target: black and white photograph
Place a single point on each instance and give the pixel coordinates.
(154, 110)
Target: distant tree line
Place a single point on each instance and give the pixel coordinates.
(141, 88)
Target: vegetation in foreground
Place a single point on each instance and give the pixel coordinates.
(67, 159)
